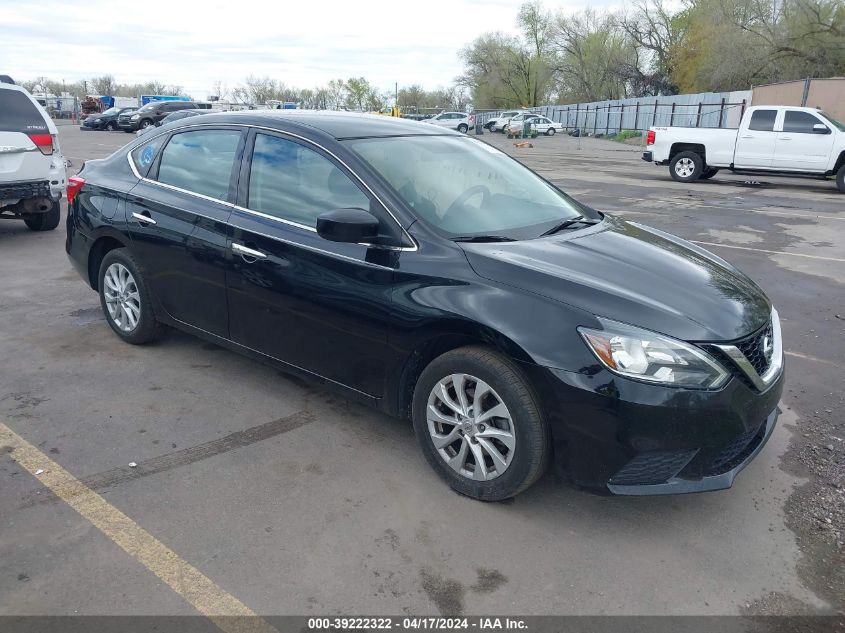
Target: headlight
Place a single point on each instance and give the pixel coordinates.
(636, 353)
(135, 117)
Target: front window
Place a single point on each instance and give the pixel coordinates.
(464, 187)
(295, 183)
(837, 124)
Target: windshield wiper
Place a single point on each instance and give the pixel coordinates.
(483, 238)
(567, 223)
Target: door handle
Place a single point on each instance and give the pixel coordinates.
(748, 136)
(245, 251)
(143, 218)
(784, 138)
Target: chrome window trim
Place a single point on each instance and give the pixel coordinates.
(413, 248)
(761, 382)
(314, 249)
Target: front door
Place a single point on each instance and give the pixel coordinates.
(755, 143)
(177, 218)
(318, 305)
(799, 147)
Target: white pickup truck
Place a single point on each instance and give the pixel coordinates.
(777, 140)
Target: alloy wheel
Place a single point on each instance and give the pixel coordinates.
(471, 427)
(122, 298)
(685, 167)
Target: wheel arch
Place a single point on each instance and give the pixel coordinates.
(839, 162)
(438, 343)
(698, 148)
(101, 246)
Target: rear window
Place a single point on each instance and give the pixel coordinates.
(763, 120)
(19, 114)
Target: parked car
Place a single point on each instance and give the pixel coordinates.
(460, 121)
(782, 140)
(430, 275)
(498, 124)
(153, 112)
(541, 124)
(170, 118)
(106, 120)
(32, 168)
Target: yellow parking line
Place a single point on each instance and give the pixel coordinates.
(185, 579)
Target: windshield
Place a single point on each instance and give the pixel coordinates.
(111, 111)
(152, 105)
(838, 124)
(464, 187)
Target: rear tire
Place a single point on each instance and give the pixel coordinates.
(686, 166)
(44, 221)
(127, 286)
(840, 179)
(524, 443)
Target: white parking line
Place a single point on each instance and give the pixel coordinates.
(763, 250)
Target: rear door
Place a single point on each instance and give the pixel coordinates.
(23, 130)
(177, 218)
(799, 147)
(755, 143)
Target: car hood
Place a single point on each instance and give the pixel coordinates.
(634, 274)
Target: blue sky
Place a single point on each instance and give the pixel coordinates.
(194, 44)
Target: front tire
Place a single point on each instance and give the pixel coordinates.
(479, 425)
(44, 221)
(145, 124)
(550, 132)
(112, 126)
(463, 128)
(125, 299)
(840, 179)
(686, 166)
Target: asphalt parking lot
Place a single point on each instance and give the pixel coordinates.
(293, 500)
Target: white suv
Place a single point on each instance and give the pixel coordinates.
(32, 168)
(460, 121)
(498, 124)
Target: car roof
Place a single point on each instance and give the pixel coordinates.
(337, 124)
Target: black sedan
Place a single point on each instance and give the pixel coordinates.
(430, 275)
(106, 120)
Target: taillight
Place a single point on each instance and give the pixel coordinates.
(471, 120)
(74, 184)
(649, 138)
(44, 142)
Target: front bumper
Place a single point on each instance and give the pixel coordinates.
(647, 156)
(626, 437)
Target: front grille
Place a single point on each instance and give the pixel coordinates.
(31, 189)
(652, 467)
(752, 348)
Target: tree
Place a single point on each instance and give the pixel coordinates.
(358, 92)
(657, 32)
(337, 94)
(104, 85)
(593, 56)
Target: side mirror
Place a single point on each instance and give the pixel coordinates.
(820, 128)
(347, 225)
